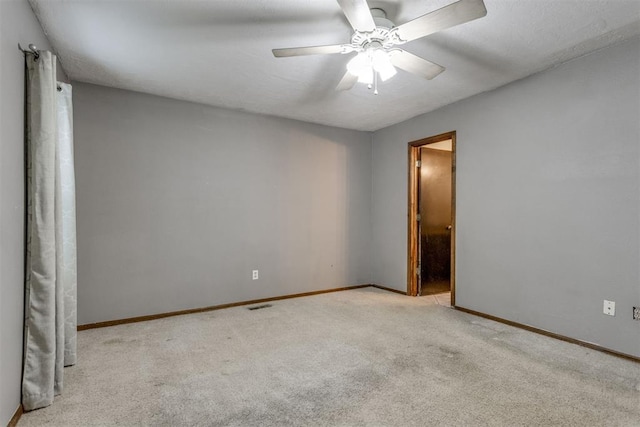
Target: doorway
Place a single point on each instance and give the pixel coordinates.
(431, 268)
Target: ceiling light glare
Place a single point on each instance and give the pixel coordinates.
(359, 64)
(382, 64)
(366, 76)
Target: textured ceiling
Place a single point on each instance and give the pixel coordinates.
(219, 52)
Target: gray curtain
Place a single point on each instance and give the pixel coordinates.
(50, 277)
(66, 202)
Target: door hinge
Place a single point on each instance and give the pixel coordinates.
(418, 163)
(418, 217)
(417, 271)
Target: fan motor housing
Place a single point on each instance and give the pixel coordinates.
(380, 38)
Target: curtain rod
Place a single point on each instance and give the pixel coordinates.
(32, 49)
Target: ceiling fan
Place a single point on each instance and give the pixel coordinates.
(375, 39)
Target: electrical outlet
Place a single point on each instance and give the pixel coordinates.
(609, 308)
(255, 275)
(636, 313)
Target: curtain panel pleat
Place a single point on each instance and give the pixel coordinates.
(67, 223)
(50, 279)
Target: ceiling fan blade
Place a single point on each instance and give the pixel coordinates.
(309, 50)
(414, 64)
(446, 17)
(358, 14)
(347, 82)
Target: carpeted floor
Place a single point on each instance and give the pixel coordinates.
(359, 357)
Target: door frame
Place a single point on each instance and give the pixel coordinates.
(414, 208)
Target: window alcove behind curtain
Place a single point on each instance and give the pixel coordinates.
(50, 276)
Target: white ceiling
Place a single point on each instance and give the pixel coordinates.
(218, 52)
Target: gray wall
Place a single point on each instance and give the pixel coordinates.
(178, 202)
(547, 198)
(18, 24)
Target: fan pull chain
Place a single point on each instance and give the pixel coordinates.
(375, 82)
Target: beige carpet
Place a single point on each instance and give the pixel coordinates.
(353, 358)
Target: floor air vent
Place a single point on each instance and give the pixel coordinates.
(258, 307)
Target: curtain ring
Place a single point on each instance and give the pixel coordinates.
(32, 49)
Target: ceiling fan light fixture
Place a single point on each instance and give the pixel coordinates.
(359, 64)
(387, 72)
(362, 67)
(382, 64)
(375, 36)
(366, 76)
(366, 63)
